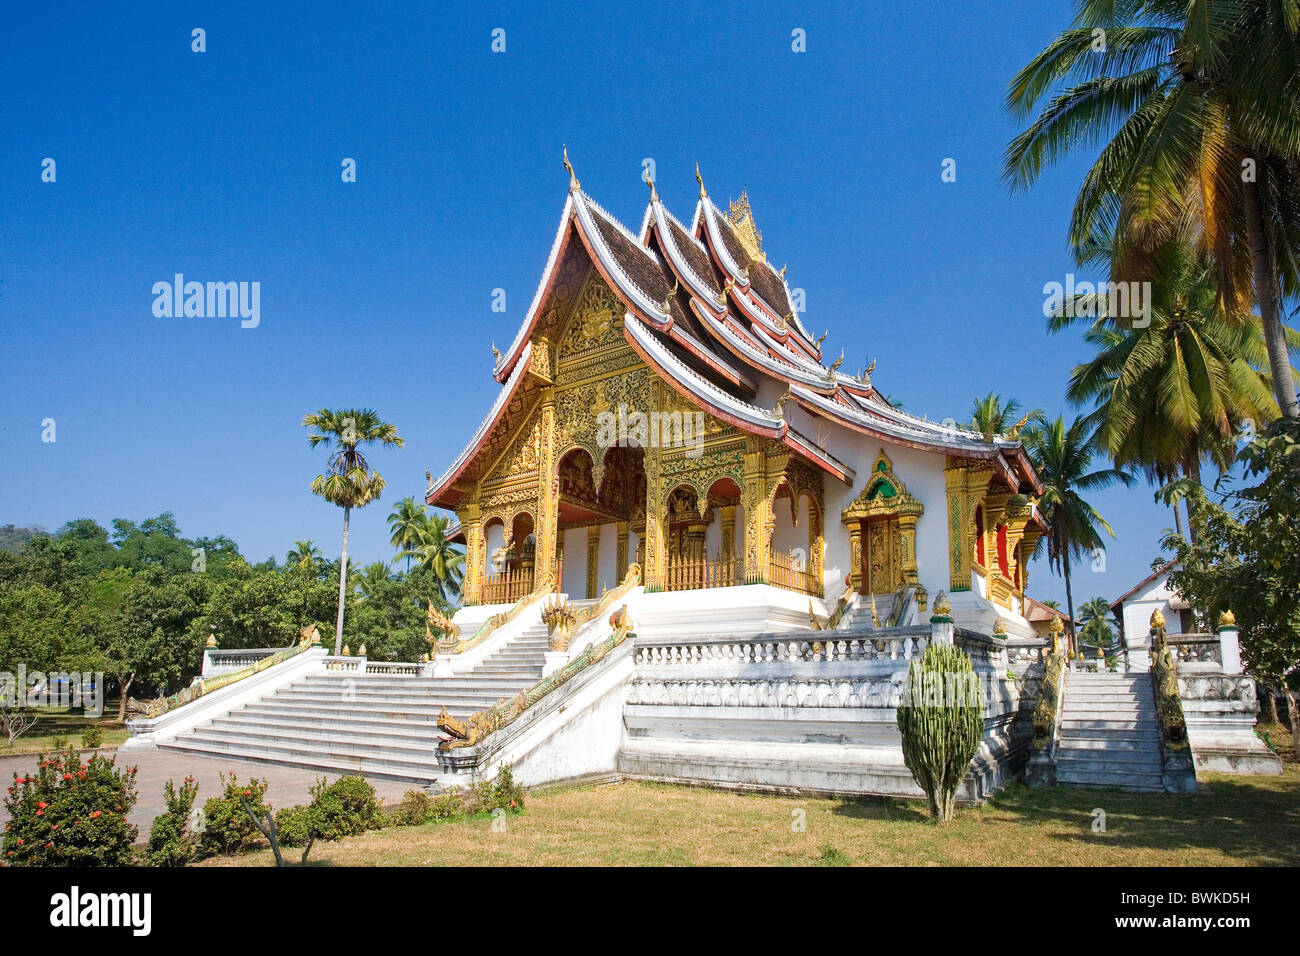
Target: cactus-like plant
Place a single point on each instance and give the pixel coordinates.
(941, 718)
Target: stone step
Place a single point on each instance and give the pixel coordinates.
(1132, 761)
(1146, 724)
(312, 759)
(387, 711)
(1144, 782)
(1100, 740)
(362, 723)
(409, 746)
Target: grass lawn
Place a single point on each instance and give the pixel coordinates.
(54, 722)
(1236, 821)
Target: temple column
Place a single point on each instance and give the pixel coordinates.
(758, 514)
(593, 560)
(727, 552)
(475, 553)
(967, 482)
(652, 547)
(620, 555)
(855, 556)
(546, 530)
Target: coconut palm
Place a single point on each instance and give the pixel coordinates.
(1197, 103)
(437, 555)
(1182, 388)
(993, 415)
(1095, 617)
(348, 481)
(1063, 458)
(404, 525)
(304, 554)
(372, 579)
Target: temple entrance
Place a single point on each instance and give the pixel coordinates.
(511, 560)
(600, 514)
(882, 565)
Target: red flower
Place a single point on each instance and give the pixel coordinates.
(40, 813)
(67, 776)
(42, 805)
(95, 814)
(54, 826)
(21, 841)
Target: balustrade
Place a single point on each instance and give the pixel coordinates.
(903, 646)
(506, 587)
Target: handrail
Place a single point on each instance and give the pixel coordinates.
(1164, 681)
(452, 646)
(630, 580)
(483, 723)
(201, 686)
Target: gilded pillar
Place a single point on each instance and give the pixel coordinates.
(757, 512)
(593, 560)
(655, 570)
(967, 482)
(620, 555)
(855, 556)
(471, 521)
(546, 530)
(728, 549)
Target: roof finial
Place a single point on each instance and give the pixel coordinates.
(654, 195)
(782, 272)
(700, 179)
(823, 338)
(779, 410)
(668, 299)
(835, 365)
(573, 179)
(496, 352)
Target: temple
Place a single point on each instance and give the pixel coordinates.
(663, 403)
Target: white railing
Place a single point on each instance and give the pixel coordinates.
(1195, 648)
(218, 661)
(904, 645)
(396, 668)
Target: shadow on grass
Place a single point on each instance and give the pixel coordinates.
(1256, 819)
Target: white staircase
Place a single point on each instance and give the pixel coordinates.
(380, 725)
(1110, 734)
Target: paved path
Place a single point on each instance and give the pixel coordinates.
(286, 785)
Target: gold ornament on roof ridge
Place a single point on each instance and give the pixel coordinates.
(700, 179)
(574, 185)
(741, 218)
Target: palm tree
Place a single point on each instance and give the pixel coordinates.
(438, 556)
(991, 414)
(304, 554)
(1194, 99)
(1181, 388)
(372, 579)
(1063, 458)
(404, 525)
(349, 481)
(1094, 615)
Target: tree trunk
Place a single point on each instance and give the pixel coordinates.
(1263, 267)
(124, 686)
(343, 585)
(1069, 599)
(1178, 520)
(1270, 702)
(1295, 720)
(1192, 472)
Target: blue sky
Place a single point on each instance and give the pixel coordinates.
(225, 165)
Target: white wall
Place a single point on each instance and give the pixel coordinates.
(574, 573)
(607, 560)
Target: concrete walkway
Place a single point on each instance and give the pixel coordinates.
(286, 785)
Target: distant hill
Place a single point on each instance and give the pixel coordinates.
(12, 538)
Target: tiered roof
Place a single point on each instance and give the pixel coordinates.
(710, 315)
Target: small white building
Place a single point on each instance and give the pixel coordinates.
(1134, 608)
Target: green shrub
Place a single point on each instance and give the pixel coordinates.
(941, 719)
(418, 807)
(170, 841)
(92, 738)
(294, 826)
(70, 814)
(226, 827)
(499, 794)
(345, 807)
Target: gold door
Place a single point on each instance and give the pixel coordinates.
(882, 556)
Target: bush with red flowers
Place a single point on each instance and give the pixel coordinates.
(69, 813)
